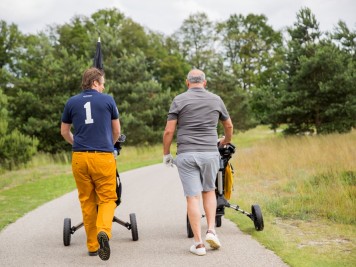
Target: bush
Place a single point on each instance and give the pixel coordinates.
(16, 149)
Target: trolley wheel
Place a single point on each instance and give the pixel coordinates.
(67, 231)
(218, 221)
(257, 217)
(133, 223)
(189, 228)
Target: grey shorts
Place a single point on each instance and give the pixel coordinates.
(197, 171)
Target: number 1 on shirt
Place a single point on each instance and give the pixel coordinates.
(88, 119)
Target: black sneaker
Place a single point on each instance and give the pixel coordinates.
(104, 250)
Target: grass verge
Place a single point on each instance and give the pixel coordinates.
(306, 187)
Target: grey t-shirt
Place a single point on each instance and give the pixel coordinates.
(197, 112)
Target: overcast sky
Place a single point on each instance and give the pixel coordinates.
(166, 16)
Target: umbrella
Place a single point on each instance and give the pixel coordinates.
(98, 58)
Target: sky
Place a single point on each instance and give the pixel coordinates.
(166, 16)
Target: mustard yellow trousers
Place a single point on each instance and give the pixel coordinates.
(95, 176)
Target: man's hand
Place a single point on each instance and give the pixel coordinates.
(168, 160)
(222, 141)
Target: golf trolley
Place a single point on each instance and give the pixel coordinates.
(226, 153)
(69, 230)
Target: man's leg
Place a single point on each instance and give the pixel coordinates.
(209, 164)
(87, 198)
(209, 203)
(103, 170)
(189, 174)
(89, 210)
(194, 216)
(104, 176)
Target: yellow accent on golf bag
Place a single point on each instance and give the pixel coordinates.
(228, 181)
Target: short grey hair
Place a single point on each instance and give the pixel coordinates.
(196, 78)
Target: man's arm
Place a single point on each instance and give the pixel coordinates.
(228, 130)
(168, 136)
(66, 133)
(116, 129)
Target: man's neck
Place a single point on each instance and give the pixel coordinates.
(96, 89)
(196, 86)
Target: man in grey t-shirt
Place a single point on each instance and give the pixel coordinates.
(196, 114)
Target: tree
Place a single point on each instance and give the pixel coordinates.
(9, 40)
(142, 103)
(250, 48)
(15, 148)
(252, 53)
(142, 69)
(76, 37)
(222, 82)
(319, 92)
(166, 63)
(346, 38)
(3, 113)
(47, 76)
(49, 67)
(196, 37)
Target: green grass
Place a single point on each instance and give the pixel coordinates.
(254, 136)
(17, 201)
(306, 187)
(136, 157)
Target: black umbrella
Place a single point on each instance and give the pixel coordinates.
(98, 58)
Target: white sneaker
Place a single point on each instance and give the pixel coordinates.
(198, 250)
(212, 239)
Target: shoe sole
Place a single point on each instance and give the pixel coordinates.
(93, 253)
(104, 250)
(198, 254)
(213, 244)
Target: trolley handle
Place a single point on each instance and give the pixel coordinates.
(226, 151)
(117, 145)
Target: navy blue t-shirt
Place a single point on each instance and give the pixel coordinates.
(91, 114)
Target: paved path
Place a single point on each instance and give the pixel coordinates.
(155, 194)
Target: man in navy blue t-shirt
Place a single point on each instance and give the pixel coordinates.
(95, 119)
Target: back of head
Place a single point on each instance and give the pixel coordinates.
(196, 76)
(91, 75)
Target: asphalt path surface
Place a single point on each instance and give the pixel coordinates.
(155, 195)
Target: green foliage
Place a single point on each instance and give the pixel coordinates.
(253, 55)
(9, 39)
(319, 94)
(323, 95)
(76, 37)
(346, 38)
(16, 149)
(196, 39)
(48, 76)
(250, 46)
(348, 178)
(166, 63)
(235, 98)
(3, 113)
(141, 101)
